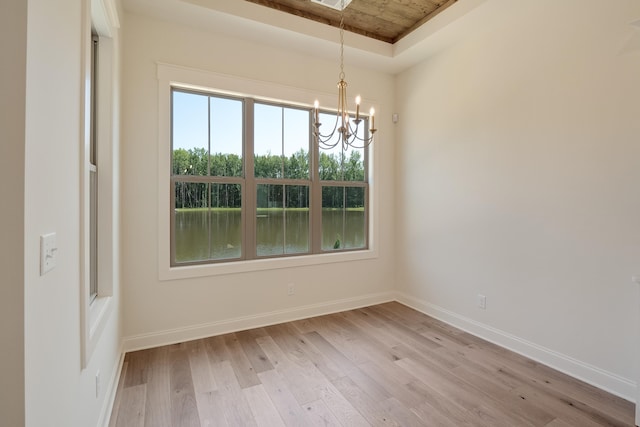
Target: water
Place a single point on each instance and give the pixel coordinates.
(216, 234)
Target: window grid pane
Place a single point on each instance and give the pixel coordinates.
(226, 136)
(282, 219)
(343, 218)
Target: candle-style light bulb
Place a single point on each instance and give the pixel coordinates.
(372, 112)
(357, 107)
(316, 104)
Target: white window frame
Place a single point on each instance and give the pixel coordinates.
(175, 76)
(101, 15)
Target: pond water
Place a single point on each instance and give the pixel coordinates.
(217, 233)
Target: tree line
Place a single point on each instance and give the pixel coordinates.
(331, 167)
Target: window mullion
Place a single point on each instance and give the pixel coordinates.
(209, 186)
(249, 201)
(316, 192)
(284, 187)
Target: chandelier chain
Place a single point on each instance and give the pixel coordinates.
(342, 43)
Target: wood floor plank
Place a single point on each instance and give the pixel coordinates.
(264, 412)
(375, 366)
(371, 410)
(319, 415)
(396, 325)
(572, 411)
(403, 415)
(303, 326)
(367, 345)
(558, 423)
(503, 396)
(203, 380)
(217, 349)
(286, 404)
(446, 383)
(368, 383)
(347, 367)
(184, 409)
(431, 402)
(229, 397)
(341, 407)
(132, 410)
(391, 384)
(549, 383)
(341, 339)
(158, 402)
(302, 379)
(458, 390)
(137, 362)
(252, 350)
(302, 351)
(552, 381)
(211, 409)
(241, 365)
(431, 416)
(340, 360)
(487, 416)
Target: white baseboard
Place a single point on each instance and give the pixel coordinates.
(112, 388)
(156, 339)
(593, 375)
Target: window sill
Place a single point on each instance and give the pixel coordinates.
(191, 271)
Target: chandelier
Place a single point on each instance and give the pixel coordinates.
(345, 130)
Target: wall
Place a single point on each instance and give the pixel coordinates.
(58, 392)
(13, 48)
(518, 179)
(158, 312)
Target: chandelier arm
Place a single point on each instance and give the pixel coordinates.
(353, 130)
(364, 143)
(326, 137)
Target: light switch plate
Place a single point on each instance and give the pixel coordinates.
(48, 250)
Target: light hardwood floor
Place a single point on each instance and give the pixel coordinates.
(386, 365)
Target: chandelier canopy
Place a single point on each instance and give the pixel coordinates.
(346, 131)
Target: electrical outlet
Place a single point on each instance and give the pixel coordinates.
(291, 289)
(482, 301)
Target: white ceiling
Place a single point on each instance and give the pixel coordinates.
(252, 22)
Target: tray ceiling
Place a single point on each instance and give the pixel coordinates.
(385, 20)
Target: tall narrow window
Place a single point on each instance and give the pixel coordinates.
(281, 163)
(93, 174)
(343, 179)
(207, 178)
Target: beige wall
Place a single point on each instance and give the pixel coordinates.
(160, 311)
(518, 179)
(13, 48)
(58, 392)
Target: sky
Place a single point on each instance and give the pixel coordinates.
(278, 130)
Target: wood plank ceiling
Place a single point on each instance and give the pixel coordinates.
(385, 20)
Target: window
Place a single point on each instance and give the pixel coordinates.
(98, 171)
(93, 173)
(247, 182)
